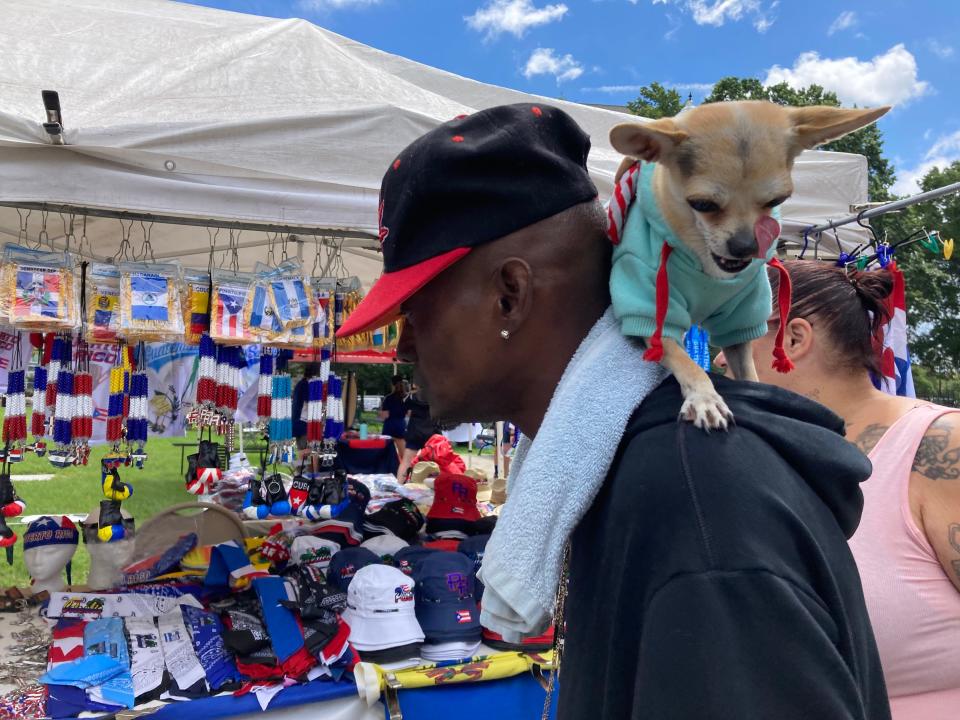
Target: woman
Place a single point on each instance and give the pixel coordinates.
(508, 444)
(420, 428)
(393, 412)
(907, 546)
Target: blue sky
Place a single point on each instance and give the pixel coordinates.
(900, 52)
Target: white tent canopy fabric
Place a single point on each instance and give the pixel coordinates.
(184, 111)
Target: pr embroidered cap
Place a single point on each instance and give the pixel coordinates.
(446, 598)
(465, 183)
(454, 498)
(347, 563)
(380, 609)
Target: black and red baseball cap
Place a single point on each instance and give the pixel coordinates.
(467, 182)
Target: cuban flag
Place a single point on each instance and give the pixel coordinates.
(229, 311)
(38, 294)
(896, 377)
(290, 298)
(149, 297)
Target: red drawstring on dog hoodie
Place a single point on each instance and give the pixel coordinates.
(766, 231)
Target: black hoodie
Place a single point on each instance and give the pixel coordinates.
(711, 577)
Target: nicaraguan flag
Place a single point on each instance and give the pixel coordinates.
(149, 297)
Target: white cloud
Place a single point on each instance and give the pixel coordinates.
(513, 16)
(945, 151)
(716, 13)
(321, 5)
(941, 50)
(544, 61)
(887, 79)
(845, 20)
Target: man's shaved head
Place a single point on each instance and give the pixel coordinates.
(544, 285)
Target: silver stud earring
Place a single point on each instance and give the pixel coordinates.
(505, 334)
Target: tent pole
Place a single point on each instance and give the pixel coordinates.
(371, 240)
(887, 207)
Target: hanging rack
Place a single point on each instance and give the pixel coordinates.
(887, 208)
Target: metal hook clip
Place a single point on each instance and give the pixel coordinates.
(146, 247)
(84, 240)
(124, 251)
(44, 236)
(24, 221)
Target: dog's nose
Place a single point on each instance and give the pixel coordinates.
(742, 243)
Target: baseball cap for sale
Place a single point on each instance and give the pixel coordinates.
(465, 183)
(454, 498)
(347, 563)
(380, 609)
(446, 601)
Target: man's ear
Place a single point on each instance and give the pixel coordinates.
(514, 293)
(818, 124)
(652, 141)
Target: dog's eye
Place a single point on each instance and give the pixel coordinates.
(704, 206)
(776, 201)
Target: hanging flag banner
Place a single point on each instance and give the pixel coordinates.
(172, 379)
(896, 377)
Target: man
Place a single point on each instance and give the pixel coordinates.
(709, 577)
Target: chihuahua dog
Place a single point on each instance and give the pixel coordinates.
(702, 228)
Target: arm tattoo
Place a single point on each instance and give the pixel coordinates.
(956, 568)
(870, 436)
(953, 534)
(935, 459)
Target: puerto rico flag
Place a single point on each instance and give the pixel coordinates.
(896, 377)
(464, 617)
(290, 299)
(230, 300)
(149, 297)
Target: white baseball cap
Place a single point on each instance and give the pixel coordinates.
(384, 545)
(380, 609)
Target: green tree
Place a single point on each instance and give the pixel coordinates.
(656, 101)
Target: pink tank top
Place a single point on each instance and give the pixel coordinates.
(914, 608)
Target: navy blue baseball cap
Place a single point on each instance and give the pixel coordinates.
(474, 548)
(465, 183)
(409, 559)
(345, 564)
(446, 598)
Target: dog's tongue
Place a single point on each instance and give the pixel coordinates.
(766, 231)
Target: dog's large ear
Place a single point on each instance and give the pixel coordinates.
(817, 124)
(650, 141)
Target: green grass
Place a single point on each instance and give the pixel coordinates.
(77, 490)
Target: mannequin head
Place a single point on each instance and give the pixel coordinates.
(107, 559)
(48, 546)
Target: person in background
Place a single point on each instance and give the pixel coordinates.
(298, 404)
(420, 428)
(393, 412)
(508, 443)
(907, 547)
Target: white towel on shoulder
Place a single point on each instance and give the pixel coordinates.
(555, 477)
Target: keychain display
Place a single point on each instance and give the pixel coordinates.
(334, 425)
(38, 417)
(58, 357)
(314, 411)
(61, 455)
(231, 362)
(281, 423)
(265, 387)
(39, 289)
(102, 301)
(150, 302)
(15, 410)
(207, 372)
(196, 305)
(137, 423)
(82, 423)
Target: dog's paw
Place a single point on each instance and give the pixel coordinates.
(706, 410)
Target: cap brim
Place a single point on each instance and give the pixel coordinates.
(379, 632)
(382, 304)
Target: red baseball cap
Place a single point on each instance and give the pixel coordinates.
(454, 498)
(465, 183)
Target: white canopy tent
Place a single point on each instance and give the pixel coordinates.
(179, 111)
